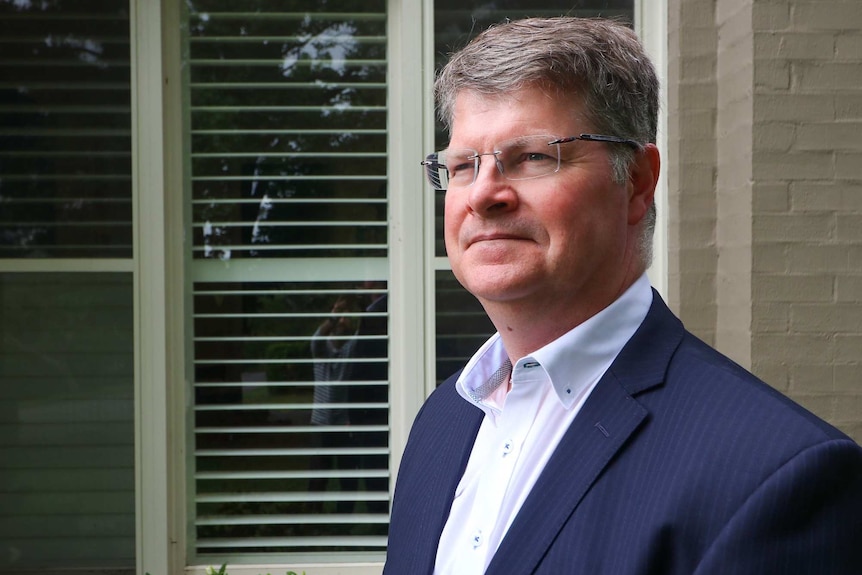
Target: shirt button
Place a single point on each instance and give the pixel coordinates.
(507, 446)
(477, 538)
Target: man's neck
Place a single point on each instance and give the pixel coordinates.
(523, 331)
(526, 326)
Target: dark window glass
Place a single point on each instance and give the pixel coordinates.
(65, 130)
(67, 445)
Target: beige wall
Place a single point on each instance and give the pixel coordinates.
(765, 191)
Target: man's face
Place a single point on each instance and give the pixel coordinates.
(562, 240)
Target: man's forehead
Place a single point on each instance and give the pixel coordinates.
(530, 92)
(525, 111)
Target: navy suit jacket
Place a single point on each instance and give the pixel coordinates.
(680, 462)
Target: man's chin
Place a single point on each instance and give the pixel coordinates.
(498, 291)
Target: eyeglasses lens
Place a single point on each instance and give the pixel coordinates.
(516, 159)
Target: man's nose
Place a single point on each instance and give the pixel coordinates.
(492, 193)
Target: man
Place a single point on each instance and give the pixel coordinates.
(592, 434)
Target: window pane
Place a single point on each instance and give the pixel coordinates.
(67, 484)
(456, 22)
(288, 126)
(291, 417)
(288, 203)
(65, 130)
(462, 326)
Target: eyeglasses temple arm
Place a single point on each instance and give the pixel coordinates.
(599, 138)
(437, 174)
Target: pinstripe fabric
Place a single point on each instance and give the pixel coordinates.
(439, 447)
(680, 463)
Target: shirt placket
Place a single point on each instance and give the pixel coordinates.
(501, 465)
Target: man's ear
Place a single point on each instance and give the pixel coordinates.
(643, 178)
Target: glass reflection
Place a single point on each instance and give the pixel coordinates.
(67, 481)
(288, 131)
(291, 399)
(65, 130)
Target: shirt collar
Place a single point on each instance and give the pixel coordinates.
(572, 362)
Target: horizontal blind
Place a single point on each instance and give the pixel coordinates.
(462, 325)
(67, 481)
(287, 122)
(288, 129)
(65, 130)
(279, 467)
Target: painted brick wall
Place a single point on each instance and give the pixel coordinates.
(690, 164)
(807, 329)
(766, 260)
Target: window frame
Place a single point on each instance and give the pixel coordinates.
(163, 503)
(156, 251)
(651, 26)
(115, 266)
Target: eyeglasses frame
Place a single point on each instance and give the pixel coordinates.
(433, 167)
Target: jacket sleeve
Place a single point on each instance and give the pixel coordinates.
(805, 518)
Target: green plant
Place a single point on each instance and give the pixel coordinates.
(223, 571)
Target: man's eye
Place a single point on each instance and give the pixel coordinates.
(459, 168)
(532, 157)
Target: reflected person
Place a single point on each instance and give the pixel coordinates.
(333, 348)
(351, 390)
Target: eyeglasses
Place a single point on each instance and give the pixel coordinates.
(523, 158)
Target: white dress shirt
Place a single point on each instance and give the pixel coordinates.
(523, 425)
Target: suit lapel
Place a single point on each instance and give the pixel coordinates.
(607, 423)
(604, 424)
(438, 452)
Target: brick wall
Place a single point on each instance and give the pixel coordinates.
(766, 259)
(690, 164)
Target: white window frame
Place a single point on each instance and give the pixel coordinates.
(651, 27)
(157, 350)
(161, 396)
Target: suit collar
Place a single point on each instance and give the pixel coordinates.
(643, 361)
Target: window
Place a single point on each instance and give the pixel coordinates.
(65, 137)
(67, 484)
(67, 493)
(287, 119)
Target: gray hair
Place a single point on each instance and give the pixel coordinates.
(601, 63)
